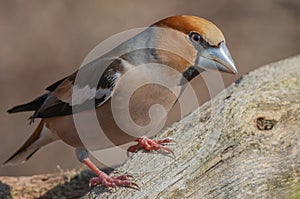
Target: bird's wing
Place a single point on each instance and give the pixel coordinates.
(87, 88)
(53, 86)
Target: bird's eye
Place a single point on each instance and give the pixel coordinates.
(195, 37)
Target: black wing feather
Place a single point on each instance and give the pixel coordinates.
(53, 86)
(30, 106)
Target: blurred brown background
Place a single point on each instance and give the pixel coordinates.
(42, 41)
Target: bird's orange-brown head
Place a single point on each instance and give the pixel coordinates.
(187, 24)
(200, 41)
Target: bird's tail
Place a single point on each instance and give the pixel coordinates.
(30, 106)
(40, 137)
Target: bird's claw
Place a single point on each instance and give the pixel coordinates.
(135, 186)
(166, 141)
(151, 145)
(114, 181)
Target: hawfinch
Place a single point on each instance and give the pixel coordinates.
(119, 88)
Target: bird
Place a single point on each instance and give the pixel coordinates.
(119, 89)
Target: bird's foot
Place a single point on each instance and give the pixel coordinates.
(151, 145)
(113, 181)
(106, 180)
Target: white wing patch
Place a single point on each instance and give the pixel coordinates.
(81, 95)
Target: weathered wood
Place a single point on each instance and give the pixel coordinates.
(245, 143)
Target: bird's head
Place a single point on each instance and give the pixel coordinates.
(200, 41)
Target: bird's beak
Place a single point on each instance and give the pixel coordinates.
(217, 58)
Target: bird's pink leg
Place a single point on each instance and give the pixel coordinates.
(108, 181)
(151, 145)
